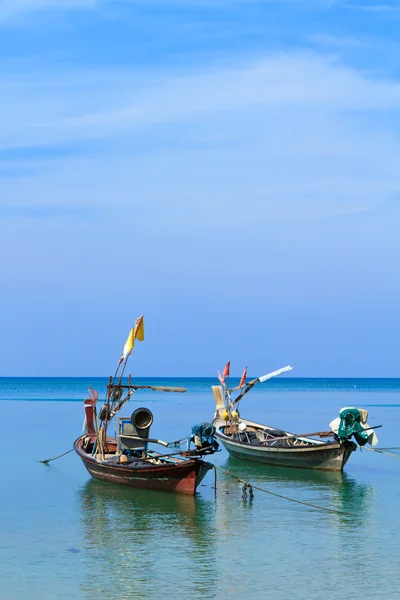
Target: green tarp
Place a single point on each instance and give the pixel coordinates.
(350, 425)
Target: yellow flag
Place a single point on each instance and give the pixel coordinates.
(130, 342)
(139, 329)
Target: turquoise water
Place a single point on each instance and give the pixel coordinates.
(65, 536)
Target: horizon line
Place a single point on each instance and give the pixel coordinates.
(183, 377)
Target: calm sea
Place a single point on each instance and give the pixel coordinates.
(65, 536)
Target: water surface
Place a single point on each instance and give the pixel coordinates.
(64, 536)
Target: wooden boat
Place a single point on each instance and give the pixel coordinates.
(273, 446)
(253, 441)
(127, 459)
(174, 474)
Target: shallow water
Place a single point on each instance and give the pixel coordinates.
(63, 535)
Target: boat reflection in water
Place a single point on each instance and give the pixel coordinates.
(136, 541)
(334, 490)
(146, 545)
(271, 541)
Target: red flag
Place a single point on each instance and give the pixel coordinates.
(243, 379)
(225, 373)
(227, 370)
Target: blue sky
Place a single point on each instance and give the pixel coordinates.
(229, 168)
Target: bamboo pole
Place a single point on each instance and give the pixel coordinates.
(155, 388)
(315, 434)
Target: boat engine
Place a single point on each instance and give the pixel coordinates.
(353, 422)
(203, 437)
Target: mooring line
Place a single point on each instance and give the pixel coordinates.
(379, 451)
(250, 487)
(47, 460)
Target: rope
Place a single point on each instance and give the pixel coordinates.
(389, 448)
(47, 460)
(249, 487)
(379, 451)
(177, 443)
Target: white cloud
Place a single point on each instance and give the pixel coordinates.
(337, 41)
(291, 136)
(98, 104)
(374, 8)
(10, 8)
(211, 187)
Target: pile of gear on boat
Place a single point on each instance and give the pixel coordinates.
(202, 437)
(350, 422)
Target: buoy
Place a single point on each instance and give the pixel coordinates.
(235, 414)
(123, 458)
(224, 414)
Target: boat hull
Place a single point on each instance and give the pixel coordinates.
(180, 476)
(324, 457)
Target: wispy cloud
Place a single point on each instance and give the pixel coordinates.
(374, 8)
(98, 104)
(336, 41)
(46, 212)
(21, 153)
(12, 8)
(212, 137)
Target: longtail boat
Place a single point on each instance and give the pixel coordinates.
(127, 459)
(249, 440)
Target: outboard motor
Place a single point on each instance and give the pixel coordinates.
(353, 422)
(350, 424)
(203, 438)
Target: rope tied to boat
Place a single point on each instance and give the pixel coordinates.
(381, 451)
(47, 460)
(250, 486)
